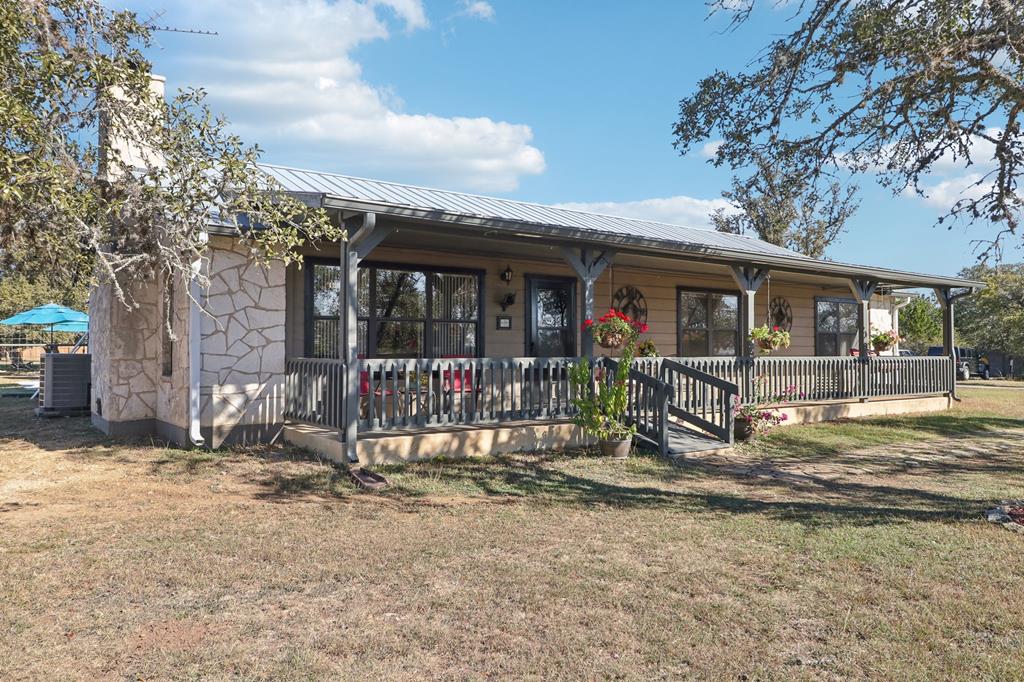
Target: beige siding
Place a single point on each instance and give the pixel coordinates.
(658, 286)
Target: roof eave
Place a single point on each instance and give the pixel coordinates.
(706, 253)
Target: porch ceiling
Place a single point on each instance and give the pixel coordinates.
(489, 245)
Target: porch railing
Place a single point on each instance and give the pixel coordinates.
(647, 403)
(700, 399)
(397, 393)
(315, 391)
(827, 378)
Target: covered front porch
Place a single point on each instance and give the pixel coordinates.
(446, 330)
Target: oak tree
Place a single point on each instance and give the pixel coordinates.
(897, 88)
(139, 202)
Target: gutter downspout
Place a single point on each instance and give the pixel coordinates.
(195, 353)
(894, 311)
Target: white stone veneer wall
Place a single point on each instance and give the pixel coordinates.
(125, 348)
(172, 391)
(243, 350)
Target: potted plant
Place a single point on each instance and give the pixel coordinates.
(601, 398)
(614, 329)
(646, 349)
(883, 341)
(768, 338)
(760, 415)
(601, 406)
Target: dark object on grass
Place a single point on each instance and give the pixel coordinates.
(743, 430)
(1009, 514)
(366, 479)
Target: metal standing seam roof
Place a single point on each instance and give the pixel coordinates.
(472, 207)
(344, 186)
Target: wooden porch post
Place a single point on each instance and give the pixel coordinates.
(947, 300)
(748, 279)
(863, 290)
(588, 266)
(366, 238)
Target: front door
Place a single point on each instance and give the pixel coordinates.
(551, 317)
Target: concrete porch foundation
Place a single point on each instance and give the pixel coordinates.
(452, 442)
(839, 409)
(477, 441)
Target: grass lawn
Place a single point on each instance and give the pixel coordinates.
(853, 550)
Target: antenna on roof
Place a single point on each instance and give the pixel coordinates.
(194, 31)
(151, 25)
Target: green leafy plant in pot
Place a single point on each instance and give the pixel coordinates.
(601, 395)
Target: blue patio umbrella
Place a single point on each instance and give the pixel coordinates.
(57, 317)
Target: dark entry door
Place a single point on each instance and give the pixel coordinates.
(551, 317)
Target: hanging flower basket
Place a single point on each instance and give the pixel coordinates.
(614, 329)
(610, 340)
(883, 341)
(768, 339)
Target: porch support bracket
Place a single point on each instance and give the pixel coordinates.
(748, 280)
(863, 290)
(588, 265)
(366, 237)
(948, 296)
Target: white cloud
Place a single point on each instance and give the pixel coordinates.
(709, 150)
(677, 210)
(952, 179)
(478, 9)
(284, 73)
(945, 193)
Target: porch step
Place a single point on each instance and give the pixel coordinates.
(685, 441)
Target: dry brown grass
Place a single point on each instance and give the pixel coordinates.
(136, 561)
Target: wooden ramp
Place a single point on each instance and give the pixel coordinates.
(685, 441)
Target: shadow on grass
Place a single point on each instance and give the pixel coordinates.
(541, 483)
(585, 479)
(831, 442)
(557, 479)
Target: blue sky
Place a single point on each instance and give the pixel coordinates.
(548, 101)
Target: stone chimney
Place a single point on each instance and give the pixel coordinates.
(125, 343)
(123, 146)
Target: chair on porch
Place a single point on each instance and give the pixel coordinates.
(364, 391)
(453, 381)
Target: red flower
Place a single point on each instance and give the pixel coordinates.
(775, 328)
(587, 324)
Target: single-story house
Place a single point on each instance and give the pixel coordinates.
(447, 322)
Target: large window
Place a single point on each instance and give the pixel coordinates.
(708, 323)
(402, 311)
(835, 326)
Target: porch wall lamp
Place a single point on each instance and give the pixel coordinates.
(506, 275)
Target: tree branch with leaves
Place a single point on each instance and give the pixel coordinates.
(139, 202)
(781, 209)
(891, 87)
